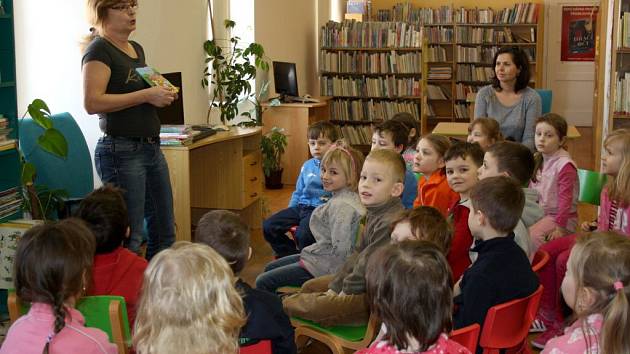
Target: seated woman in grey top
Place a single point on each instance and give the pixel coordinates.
(508, 99)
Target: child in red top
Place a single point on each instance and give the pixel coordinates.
(433, 190)
(116, 270)
(462, 162)
(415, 309)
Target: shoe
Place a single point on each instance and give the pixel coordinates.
(537, 326)
(542, 339)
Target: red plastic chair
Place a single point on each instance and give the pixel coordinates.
(262, 347)
(507, 325)
(541, 257)
(467, 336)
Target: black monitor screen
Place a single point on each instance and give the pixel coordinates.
(173, 113)
(285, 78)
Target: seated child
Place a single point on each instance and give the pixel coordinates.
(433, 189)
(51, 264)
(415, 309)
(597, 287)
(556, 181)
(116, 270)
(188, 303)
(413, 125)
(422, 223)
(393, 135)
(334, 225)
(485, 132)
(515, 160)
(462, 162)
(308, 195)
(502, 271)
(229, 236)
(342, 301)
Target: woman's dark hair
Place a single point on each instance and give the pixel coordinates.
(521, 60)
(53, 262)
(409, 289)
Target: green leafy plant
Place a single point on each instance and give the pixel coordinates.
(272, 145)
(230, 71)
(40, 200)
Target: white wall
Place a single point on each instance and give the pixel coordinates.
(48, 57)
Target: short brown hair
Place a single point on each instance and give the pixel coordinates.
(348, 158)
(559, 124)
(393, 160)
(427, 223)
(410, 122)
(514, 158)
(323, 129)
(227, 234)
(501, 200)
(408, 287)
(398, 130)
(439, 142)
(465, 149)
(490, 127)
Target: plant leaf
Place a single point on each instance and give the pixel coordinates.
(39, 111)
(28, 173)
(229, 23)
(54, 142)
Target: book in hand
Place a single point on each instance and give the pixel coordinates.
(154, 78)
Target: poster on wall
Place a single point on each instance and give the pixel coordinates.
(578, 33)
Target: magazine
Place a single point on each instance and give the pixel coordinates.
(154, 78)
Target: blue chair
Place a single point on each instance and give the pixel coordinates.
(73, 174)
(546, 97)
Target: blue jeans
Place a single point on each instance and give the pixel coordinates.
(285, 271)
(139, 168)
(276, 226)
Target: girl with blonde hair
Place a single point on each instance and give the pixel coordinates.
(188, 304)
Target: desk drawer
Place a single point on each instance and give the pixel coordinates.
(252, 178)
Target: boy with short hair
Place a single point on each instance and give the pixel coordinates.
(394, 135)
(462, 160)
(507, 158)
(227, 234)
(309, 194)
(116, 270)
(340, 299)
(502, 271)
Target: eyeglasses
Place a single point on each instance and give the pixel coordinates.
(126, 6)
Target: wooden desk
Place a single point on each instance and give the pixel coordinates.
(295, 119)
(219, 172)
(458, 130)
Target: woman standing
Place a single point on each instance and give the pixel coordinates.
(129, 154)
(509, 99)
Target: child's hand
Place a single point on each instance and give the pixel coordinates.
(331, 292)
(456, 288)
(556, 233)
(589, 226)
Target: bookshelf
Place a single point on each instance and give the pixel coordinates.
(10, 206)
(619, 110)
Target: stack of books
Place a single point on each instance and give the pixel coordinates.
(5, 142)
(181, 135)
(440, 73)
(10, 202)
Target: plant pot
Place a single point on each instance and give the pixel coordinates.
(274, 180)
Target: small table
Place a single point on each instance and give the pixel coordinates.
(459, 130)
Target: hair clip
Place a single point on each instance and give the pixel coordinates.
(618, 285)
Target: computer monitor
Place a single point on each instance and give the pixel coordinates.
(173, 113)
(285, 79)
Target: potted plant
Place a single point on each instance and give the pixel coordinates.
(230, 71)
(272, 145)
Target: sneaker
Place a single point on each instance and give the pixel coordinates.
(537, 326)
(542, 339)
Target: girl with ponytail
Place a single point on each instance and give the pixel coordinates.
(52, 265)
(597, 287)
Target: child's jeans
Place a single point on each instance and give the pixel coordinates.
(314, 302)
(286, 271)
(277, 225)
(551, 276)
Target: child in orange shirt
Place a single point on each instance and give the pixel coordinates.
(433, 189)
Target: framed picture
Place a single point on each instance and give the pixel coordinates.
(578, 33)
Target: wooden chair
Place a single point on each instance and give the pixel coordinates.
(541, 257)
(467, 336)
(107, 313)
(507, 325)
(337, 338)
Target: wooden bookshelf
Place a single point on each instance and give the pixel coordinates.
(619, 104)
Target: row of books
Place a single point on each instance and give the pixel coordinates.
(371, 110)
(370, 35)
(468, 72)
(439, 34)
(518, 14)
(5, 142)
(388, 86)
(436, 92)
(479, 35)
(10, 202)
(623, 31)
(440, 73)
(461, 111)
(357, 134)
(436, 53)
(485, 55)
(465, 92)
(622, 95)
(372, 63)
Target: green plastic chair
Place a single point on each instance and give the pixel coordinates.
(591, 184)
(337, 338)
